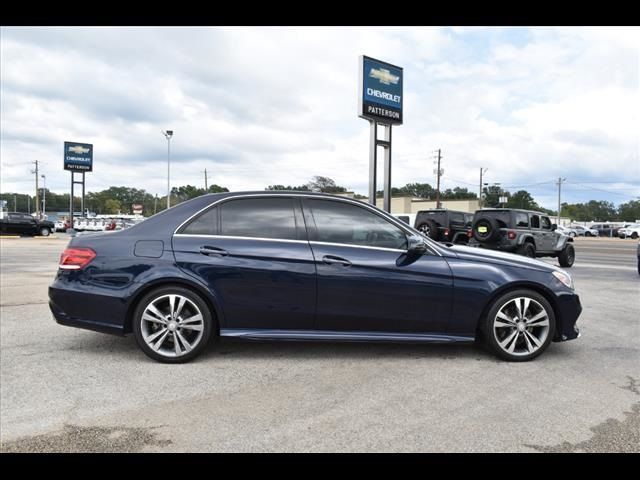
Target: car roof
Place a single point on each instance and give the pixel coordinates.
(519, 210)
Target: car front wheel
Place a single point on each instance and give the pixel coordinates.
(172, 324)
(519, 326)
(567, 256)
(44, 231)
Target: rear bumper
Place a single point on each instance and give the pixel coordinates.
(570, 308)
(100, 313)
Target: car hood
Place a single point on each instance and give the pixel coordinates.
(502, 258)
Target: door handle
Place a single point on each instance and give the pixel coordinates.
(331, 259)
(207, 250)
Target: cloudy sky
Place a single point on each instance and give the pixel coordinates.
(259, 106)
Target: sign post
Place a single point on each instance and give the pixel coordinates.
(78, 157)
(380, 102)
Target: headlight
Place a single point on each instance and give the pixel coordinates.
(564, 277)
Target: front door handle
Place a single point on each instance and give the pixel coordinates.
(331, 259)
(207, 250)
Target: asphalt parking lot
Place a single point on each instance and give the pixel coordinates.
(64, 389)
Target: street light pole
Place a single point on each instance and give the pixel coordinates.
(168, 134)
(44, 194)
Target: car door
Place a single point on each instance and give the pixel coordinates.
(548, 236)
(365, 280)
(253, 254)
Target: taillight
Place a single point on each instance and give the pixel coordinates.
(446, 232)
(511, 235)
(76, 258)
(470, 233)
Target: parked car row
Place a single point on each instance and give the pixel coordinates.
(97, 224)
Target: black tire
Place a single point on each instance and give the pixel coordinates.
(587, 234)
(572, 234)
(491, 226)
(429, 228)
(567, 256)
(158, 295)
(487, 326)
(527, 249)
(45, 232)
(634, 235)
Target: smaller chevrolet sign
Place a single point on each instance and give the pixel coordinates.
(78, 156)
(380, 96)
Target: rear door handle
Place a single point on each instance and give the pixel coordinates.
(207, 250)
(331, 259)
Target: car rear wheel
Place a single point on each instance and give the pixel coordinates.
(527, 249)
(172, 324)
(519, 326)
(634, 235)
(429, 228)
(567, 256)
(44, 231)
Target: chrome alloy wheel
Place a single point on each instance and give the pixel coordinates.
(425, 229)
(172, 325)
(521, 326)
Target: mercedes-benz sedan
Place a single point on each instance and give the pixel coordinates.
(304, 266)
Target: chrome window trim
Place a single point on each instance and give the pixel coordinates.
(399, 223)
(234, 237)
(385, 249)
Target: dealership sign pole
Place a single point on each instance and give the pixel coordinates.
(380, 102)
(78, 157)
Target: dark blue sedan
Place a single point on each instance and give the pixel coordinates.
(304, 266)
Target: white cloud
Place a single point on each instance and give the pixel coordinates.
(257, 106)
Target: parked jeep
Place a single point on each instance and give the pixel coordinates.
(444, 225)
(523, 232)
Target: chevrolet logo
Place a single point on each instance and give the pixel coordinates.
(78, 149)
(384, 75)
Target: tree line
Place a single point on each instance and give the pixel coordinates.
(120, 200)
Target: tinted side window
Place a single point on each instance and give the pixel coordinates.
(259, 217)
(522, 220)
(457, 217)
(546, 223)
(339, 222)
(204, 224)
(535, 221)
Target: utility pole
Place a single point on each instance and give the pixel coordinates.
(560, 180)
(438, 173)
(482, 172)
(155, 205)
(206, 186)
(37, 194)
(15, 203)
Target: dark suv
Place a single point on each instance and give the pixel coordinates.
(521, 231)
(25, 224)
(444, 225)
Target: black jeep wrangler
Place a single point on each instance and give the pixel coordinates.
(521, 231)
(444, 225)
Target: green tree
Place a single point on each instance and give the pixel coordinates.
(300, 188)
(629, 211)
(522, 199)
(112, 205)
(324, 184)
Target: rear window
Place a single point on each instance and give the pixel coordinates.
(204, 224)
(457, 217)
(522, 220)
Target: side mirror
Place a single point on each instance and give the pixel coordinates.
(416, 245)
(554, 227)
